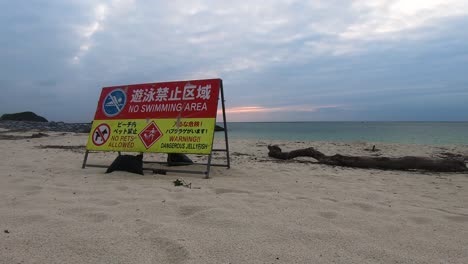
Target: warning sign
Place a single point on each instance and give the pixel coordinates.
(150, 134)
(170, 117)
(101, 134)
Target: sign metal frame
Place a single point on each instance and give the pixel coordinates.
(208, 164)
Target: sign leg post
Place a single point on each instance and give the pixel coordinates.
(85, 159)
(208, 167)
(225, 127)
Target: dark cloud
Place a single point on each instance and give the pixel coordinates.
(56, 56)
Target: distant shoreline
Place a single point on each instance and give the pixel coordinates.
(343, 122)
(46, 126)
(403, 132)
(421, 132)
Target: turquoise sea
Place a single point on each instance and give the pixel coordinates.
(455, 133)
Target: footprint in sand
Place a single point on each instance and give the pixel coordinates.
(175, 252)
(225, 190)
(329, 199)
(32, 189)
(364, 206)
(146, 228)
(211, 217)
(108, 203)
(122, 188)
(420, 220)
(29, 219)
(96, 217)
(17, 180)
(458, 218)
(88, 214)
(328, 215)
(190, 210)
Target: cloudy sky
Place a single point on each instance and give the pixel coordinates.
(279, 60)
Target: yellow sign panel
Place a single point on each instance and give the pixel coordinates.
(153, 135)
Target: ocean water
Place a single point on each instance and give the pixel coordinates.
(453, 133)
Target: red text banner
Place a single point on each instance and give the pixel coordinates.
(198, 98)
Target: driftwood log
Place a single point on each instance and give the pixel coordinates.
(403, 163)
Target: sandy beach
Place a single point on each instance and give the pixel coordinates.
(259, 211)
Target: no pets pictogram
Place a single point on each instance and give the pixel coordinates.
(101, 134)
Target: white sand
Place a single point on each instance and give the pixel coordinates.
(259, 211)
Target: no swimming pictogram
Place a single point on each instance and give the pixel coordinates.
(101, 134)
(114, 102)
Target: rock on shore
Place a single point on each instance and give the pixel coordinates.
(23, 116)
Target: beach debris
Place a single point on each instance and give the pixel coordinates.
(159, 171)
(129, 163)
(178, 159)
(39, 135)
(6, 231)
(453, 156)
(373, 149)
(12, 137)
(239, 154)
(385, 163)
(181, 182)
